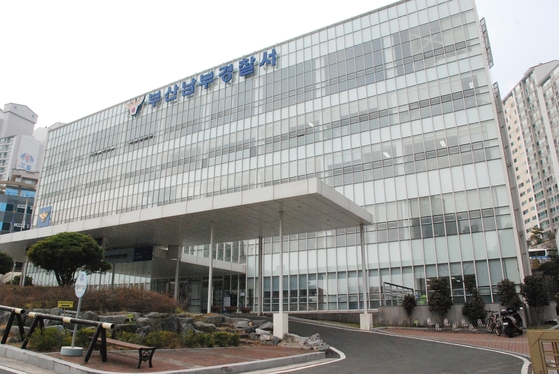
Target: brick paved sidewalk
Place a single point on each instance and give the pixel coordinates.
(120, 361)
(517, 344)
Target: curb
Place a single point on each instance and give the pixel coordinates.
(45, 364)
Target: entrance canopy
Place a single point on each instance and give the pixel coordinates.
(307, 206)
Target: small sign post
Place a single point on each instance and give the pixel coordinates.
(80, 287)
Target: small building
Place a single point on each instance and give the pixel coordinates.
(22, 150)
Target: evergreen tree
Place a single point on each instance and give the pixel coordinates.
(474, 308)
(534, 290)
(440, 299)
(409, 303)
(65, 253)
(6, 263)
(506, 290)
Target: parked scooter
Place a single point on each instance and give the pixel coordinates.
(512, 322)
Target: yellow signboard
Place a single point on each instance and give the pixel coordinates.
(65, 304)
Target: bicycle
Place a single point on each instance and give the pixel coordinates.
(499, 327)
(492, 322)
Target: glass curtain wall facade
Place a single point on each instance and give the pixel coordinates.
(393, 108)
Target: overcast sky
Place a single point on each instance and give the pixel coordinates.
(68, 59)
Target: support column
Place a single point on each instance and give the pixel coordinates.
(281, 324)
(24, 272)
(13, 271)
(174, 252)
(177, 270)
(211, 271)
(113, 276)
(238, 292)
(260, 278)
(365, 319)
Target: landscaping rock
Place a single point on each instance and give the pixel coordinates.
(154, 323)
(264, 335)
(14, 331)
(205, 327)
(69, 314)
(234, 320)
(60, 328)
(126, 327)
(154, 315)
(186, 320)
(116, 319)
(170, 323)
(263, 332)
(90, 316)
(143, 331)
(268, 326)
(243, 324)
(143, 322)
(185, 324)
(291, 338)
(50, 322)
(314, 342)
(216, 320)
(186, 328)
(56, 311)
(258, 322)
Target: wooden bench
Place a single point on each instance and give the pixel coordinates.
(145, 352)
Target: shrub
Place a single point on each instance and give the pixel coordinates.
(195, 339)
(409, 304)
(506, 289)
(123, 298)
(474, 308)
(47, 340)
(35, 296)
(536, 295)
(100, 301)
(440, 299)
(17, 278)
(189, 340)
(205, 339)
(226, 339)
(83, 336)
(163, 339)
(129, 337)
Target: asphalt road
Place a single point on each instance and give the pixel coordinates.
(368, 352)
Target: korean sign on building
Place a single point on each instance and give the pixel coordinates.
(245, 68)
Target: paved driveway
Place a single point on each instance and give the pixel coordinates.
(369, 352)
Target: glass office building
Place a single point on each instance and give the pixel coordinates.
(393, 108)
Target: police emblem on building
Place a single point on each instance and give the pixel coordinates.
(134, 105)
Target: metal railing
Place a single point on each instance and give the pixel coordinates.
(100, 331)
(14, 313)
